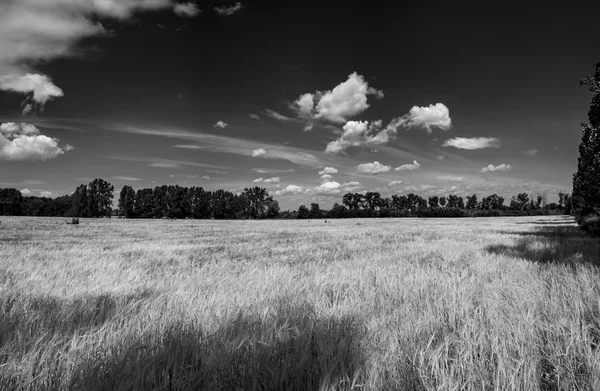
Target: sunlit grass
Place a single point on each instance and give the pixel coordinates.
(396, 304)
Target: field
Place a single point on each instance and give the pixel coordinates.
(371, 304)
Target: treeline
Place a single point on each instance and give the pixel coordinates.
(176, 202)
(586, 181)
(371, 204)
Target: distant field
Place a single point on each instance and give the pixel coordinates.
(371, 304)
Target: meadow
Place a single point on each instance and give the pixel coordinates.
(370, 304)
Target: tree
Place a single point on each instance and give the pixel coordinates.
(10, 202)
(127, 202)
(315, 211)
(434, 202)
(586, 181)
(99, 198)
(258, 201)
(79, 202)
(302, 212)
(272, 209)
(455, 201)
(472, 202)
(493, 201)
(443, 201)
(144, 203)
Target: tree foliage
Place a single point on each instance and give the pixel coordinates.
(586, 181)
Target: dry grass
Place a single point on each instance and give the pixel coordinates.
(408, 304)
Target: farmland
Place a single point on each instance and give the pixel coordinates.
(370, 304)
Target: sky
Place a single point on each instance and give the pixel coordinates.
(307, 99)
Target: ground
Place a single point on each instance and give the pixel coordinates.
(371, 304)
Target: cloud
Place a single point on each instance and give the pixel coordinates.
(472, 143)
(308, 128)
(25, 192)
(40, 87)
(19, 142)
(33, 31)
(289, 189)
(531, 152)
(346, 100)
(254, 116)
(126, 178)
(164, 165)
(46, 194)
(326, 177)
(275, 115)
(492, 168)
(328, 188)
(228, 11)
(372, 168)
(408, 167)
(258, 152)
(351, 186)
(188, 146)
(272, 180)
(328, 170)
(440, 157)
(419, 188)
(232, 145)
(427, 117)
(360, 133)
(206, 177)
(220, 124)
(258, 180)
(186, 10)
(394, 183)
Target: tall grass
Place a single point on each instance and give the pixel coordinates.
(466, 304)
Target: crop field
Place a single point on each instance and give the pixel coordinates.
(370, 304)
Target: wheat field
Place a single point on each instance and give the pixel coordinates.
(371, 304)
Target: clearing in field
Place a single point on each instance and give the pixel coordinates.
(381, 304)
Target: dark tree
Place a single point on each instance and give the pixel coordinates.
(315, 211)
(586, 181)
(79, 202)
(258, 201)
(302, 212)
(99, 198)
(443, 201)
(472, 202)
(127, 202)
(10, 202)
(434, 202)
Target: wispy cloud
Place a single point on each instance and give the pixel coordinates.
(531, 152)
(275, 115)
(408, 167)
(226, 144)
(472, 143)
(163, 163)
(228, 10)
(188, 146)
(127, 178)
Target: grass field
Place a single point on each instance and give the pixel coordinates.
(372, 304)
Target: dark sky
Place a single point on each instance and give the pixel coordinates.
(142, 95)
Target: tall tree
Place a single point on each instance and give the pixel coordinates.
(472, 202)
(10, 202)
(99, 199)
(586, 181)
(127, 202)
(434, 202)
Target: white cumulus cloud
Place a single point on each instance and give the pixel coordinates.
(25, 192)
(346, 100)
(427, 117)
(258, 152)
(472, 143)
(275, 179)
(408, 167)
(258, 180)
(394, 183)
(328, 170)
(326, 177)
(328, 188)
(289, 189)
(372, 168)
(360, 133)
(220, 124)
(19, 142)
(500, 167)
